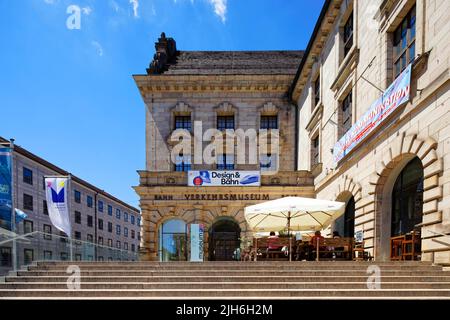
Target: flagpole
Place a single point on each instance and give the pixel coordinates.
(13, 211)
(69, 199)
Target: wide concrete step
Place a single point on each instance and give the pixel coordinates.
(210, 264)
(226, 293)
(156, 273)
(226, 278)
(235, 268)
(224, 285)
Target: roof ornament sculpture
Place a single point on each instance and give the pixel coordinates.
(166, 51)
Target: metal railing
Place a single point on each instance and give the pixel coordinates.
(41, 246)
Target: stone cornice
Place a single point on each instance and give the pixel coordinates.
(207, 83)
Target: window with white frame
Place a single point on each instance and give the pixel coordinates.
(225, 162)
(183, 163)
(268, 162)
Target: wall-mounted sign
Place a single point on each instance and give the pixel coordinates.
(5, 188)
(359, 236)
(196, 239)
(224, 178)
(397, 94)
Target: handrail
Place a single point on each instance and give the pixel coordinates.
(76, 242)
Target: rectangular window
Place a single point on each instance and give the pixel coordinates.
(110, 243)
(5, 257)
(48, 255)
(90, 238)
(28, 256)
(139, 236)
(348, 35)
(139, 222)
(77, 196)
(131, 219)
(27, 226)
(100, 258)
(78, 257)
(100, 206)
(346, 108)
(109, 226)
(125, 231)
(100, 241)
(182, 163)
(183, 122)
(225, 162)
(27, 202)
(118, 213)
(315, 151)
(118, 230)
(317, 91)
(125, 245)
(62, 237)
(100, 224)
(90, 221)
(44, 207)
(110, 210)
(48, 232)
(133, 247)
(89, 201)
(78, 235)
(269, 122)
(225, 122)
(118, 244)
(77, 217)
(64, 256)
(125, 216)
(27, 176)
(133, 234)
(268, 162)
(404, 42)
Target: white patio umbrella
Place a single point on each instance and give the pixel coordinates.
(295, 213)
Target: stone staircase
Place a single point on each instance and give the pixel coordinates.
(229, 280)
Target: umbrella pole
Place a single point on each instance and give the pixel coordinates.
(256, 248)
(289, 235)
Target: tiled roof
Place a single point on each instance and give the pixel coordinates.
(234, 63)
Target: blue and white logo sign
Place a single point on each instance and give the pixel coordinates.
(224, 178)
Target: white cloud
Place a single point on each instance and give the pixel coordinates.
(220, 8)
(135, 4)
(114, 5)
(153, 10)
(87, 10)
(98, 47)
(50, 1)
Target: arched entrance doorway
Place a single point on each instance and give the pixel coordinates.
(223, 239)
(407, 200)
(345, 224)
(172, 241)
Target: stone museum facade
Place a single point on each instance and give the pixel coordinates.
(362, 117)
(222, 90)
(396, 180)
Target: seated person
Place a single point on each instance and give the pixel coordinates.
(313, 242)
(272, 243)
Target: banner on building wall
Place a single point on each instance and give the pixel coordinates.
(5, 188)
(395, 95)
(224, 178)
(57, 203)
(196, 239)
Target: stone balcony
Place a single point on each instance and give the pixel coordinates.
(172, 178)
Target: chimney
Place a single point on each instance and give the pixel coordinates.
(166, 50)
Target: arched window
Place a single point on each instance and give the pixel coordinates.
(172, 241)
(407, 198)
(345, 224)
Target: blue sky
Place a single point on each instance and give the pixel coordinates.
(68, 94)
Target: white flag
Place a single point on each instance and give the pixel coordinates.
(57, 203)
